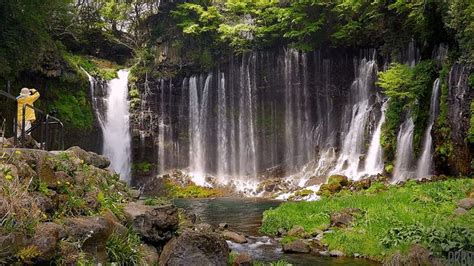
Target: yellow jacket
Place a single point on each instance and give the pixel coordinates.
(29, 113)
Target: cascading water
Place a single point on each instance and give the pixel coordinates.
(404, 156)
(354, 140)
(197, 129)
(373, 161)
(425, 161)
(116, 128)
(222, 126)
(267, 113)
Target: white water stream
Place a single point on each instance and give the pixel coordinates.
(116, 128)
(426, 160)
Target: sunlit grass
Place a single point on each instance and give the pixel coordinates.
(428, 205)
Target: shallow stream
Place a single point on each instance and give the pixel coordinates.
(244, 215)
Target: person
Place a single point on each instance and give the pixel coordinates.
(27, 96)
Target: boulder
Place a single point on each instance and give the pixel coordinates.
(466, 203)
(328, 189)
(243, 259)
(11, 243)
(341, 219)
(338, 179)
(150, 255)
(154, 223)
(297, 246)
(93, 232)
(315, 180)
(344, 217)
(336, 253)
(297, 231)
(204, 227)
(45, 170)
(111, 218)
(45, 203)
(417, 255)
(234, 237)
(281, 232)
(223, 226)
(46, 239)
(195, 248)
(362, 184)
(459, 211)
(91, 158)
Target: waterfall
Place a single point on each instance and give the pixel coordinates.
(222, 127)
(197, 129)
(266, 114)
(247, 149)
(425, 161)
(404, 155)
(116, 128)
(354, 141)
(299, 138)
(373, 161)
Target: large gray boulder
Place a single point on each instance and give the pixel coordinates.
(155, 223)
(466, 203)
(296, 246)
(93, 232)
(91, 158)
(196, 248)
(46, 240)
(234, 237)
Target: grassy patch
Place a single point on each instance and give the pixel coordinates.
(124, 248)
(105, 69)
(427, 206)
(190, 191)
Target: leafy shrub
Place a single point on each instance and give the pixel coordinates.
(440, 240)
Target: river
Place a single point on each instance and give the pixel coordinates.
(244, 215)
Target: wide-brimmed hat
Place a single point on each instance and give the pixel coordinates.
(25, 92)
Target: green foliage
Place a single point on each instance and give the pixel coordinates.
(144, 167)
(73, 108)
(408, 89)
(104, 69)
(154, 201)
(444, 148)
(439, 240)
(25, 32)
(27, 254)
(275, 263)
(460, 18)
(430, 205)
(124, 248)
(189, 191)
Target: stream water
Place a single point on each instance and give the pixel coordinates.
(244, 215)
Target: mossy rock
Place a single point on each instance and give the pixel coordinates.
(329, 189)
(338, 179)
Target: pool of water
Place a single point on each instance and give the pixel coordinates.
(244, 215)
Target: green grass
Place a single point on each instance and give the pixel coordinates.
(427, 206)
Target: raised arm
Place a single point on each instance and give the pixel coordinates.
(34, 95)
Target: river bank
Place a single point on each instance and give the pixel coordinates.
(244, 215)
(386, 223)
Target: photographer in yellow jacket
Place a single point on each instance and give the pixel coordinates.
(27, 96)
